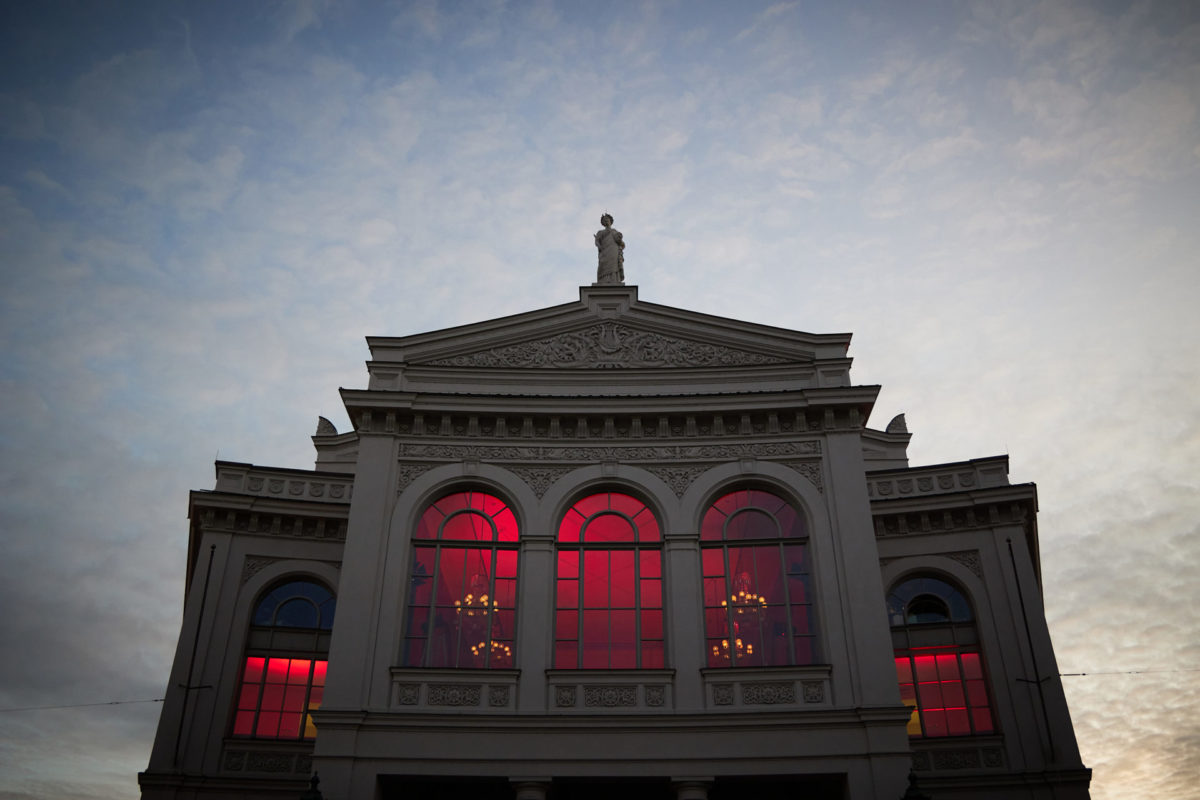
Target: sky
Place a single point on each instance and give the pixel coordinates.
(205, 207)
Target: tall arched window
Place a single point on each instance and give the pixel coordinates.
(609, 609)
(283, 678)
(757, 586)
(463, 584)
(937, 659)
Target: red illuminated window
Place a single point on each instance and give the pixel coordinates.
(609, 608)
(757, 586)
(463, 585)
(938, 664)
(283, 678)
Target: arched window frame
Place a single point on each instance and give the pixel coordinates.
(939, 665)
(282, 677)
(609, 610)
(462, 588)
(758, 581)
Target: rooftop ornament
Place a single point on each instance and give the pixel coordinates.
(611, 247)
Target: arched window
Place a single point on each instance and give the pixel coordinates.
(609, 608)
(757, 585)
(283, 678)
(937, 659)
(462, 591)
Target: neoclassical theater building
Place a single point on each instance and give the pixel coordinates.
(613, 548)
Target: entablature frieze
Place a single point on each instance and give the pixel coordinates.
(310, 485)
(213, 512)
(963, 511)
(938, 478)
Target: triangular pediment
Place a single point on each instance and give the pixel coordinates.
(609, 345)
(608, 329)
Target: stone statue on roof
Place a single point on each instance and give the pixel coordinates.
(611, 247)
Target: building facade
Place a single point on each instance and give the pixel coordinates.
(614, 546)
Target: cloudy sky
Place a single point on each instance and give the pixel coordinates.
(205, 207)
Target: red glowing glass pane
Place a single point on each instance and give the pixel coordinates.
(248, 697)
(629, 506)
(791, 523)
(652, 627)
(952, 694)
(652, 655)
(566, 655)
(903, 670)
(651, 563)
(798, 589)
(568, 564)
(769, 569)
(566, 624)
(243, 723)
(623, 656)
(503, 623)
(801, 624)
(414, 652)
(931, 695)
(427, 526)
(289, 726)
(608, 528)
(623, 584)
(717, 656)
(976, 693)
(947, 667)
(712, 526)
(926, 668)
(647, 527)
(451, 580)
(568, 529)
(468, 526)
(506, 593)
(714, 591)
(715, 622)
(957, 723)
(592, 504)
(506, 526)
(652, 593)
(934, 722)
(568, 593)
(751, 524)
(595, 627)
(293, 699)
(315, 697)
(254, 669)
(277, 670)
(971, 666)
(595, 579)
(805, 650)
(268, 725)
(595, 656)
(272, 697)
(453, 502)
(908, 694)
(624, 627)
(796, 559)
(983, 720)
(713, 559)
(298, 672)
(506, 563)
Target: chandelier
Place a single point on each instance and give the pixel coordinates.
(743, 600)
(496, 649)
(740, 649)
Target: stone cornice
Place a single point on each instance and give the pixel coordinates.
(887, 484)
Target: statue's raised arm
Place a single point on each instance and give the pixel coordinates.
(611, 247)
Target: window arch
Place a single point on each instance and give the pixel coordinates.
(463, 584)
(283, 677)
(938, 663)
(757, 582)
(609, 585)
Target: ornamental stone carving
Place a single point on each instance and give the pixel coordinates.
(575, 453)
(768, 694)
(564, 696)
(993, 757)
(678, 478)
(609, 696)
(956, 759)
(920, 761)
(409, 473)
(269, 762)
(969, 559)
(407, 694)
(255, 564)
(497, 696)
(608, 345)
(812, 471)
(539, 479)
(722, 694)
(235, 760)
(814, 691)
(656, 696)
(452, 694)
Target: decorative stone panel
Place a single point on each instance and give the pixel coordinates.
(539, 479)
(811, 470)
(489, 691)
(618, 691)
(738, 689)
(286, 760)
(409, 473)
(678, 478)
(931, 756)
